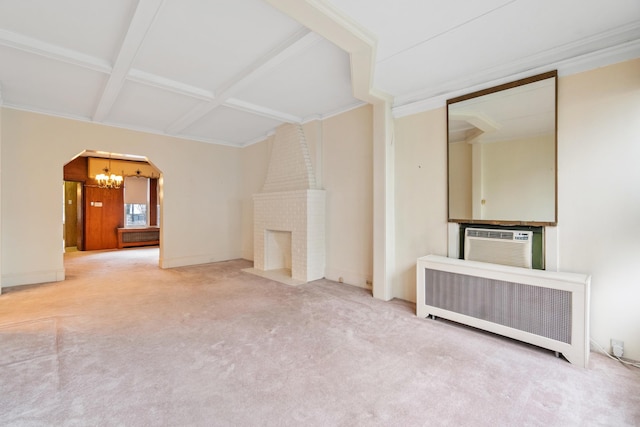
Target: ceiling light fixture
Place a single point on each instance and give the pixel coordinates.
(106, 180)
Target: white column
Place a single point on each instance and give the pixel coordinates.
(383, 202)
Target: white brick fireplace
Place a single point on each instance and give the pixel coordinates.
(289, 213)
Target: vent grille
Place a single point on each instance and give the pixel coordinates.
(490, 234)
(535, 309)
(140, 236)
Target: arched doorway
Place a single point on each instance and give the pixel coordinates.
(110, 217)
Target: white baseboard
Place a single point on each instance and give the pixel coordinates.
(193, 260)
(348, 277)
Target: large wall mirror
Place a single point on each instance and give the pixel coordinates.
(502, 153)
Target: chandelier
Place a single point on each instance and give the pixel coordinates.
(107, 180)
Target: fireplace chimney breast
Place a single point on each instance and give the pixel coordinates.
(291, 202)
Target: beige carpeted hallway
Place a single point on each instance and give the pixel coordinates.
(122, 342)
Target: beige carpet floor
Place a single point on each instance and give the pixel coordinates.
(124, 343)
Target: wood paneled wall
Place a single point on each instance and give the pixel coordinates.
(71, 214)
(153, 202)
(76, 170)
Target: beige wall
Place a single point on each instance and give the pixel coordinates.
(255, 161)
(348, 179)
(598, 191)
(420, 195)
(201, 204)
(599, 195)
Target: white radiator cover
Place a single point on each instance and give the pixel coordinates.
(543, 308)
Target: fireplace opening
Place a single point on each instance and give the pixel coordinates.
(278, 251)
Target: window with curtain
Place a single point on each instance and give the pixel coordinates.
(136, 201)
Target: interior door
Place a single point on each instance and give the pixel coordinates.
(104, 213)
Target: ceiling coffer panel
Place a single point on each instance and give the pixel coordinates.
(146, 106)
(207, 44)
(231, 125)
(317, 79)
(93, 28)
(39, 83)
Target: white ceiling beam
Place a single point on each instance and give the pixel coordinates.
(248, 107)
(38, 47)
(164, 83)
(296, 43)
(143, 18)
(323, 18)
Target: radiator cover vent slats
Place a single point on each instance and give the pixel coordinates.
(545, 308)
(141, 236)
(534, 309)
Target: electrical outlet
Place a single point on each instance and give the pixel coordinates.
(617, 347)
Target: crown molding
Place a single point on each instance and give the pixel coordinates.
(179, 136)
(238, 104)
(568, 51)
(333, 113)
(601, 58)
(307, 120)
(304, 121)
(258, 139)
(119, 126)
(45, 112)
(577, 64)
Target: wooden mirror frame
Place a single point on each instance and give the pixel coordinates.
(488, 91)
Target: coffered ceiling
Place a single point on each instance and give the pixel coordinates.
(230, 71)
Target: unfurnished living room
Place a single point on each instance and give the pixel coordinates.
(319, 212)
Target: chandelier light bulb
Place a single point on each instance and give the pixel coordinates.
(109, 181)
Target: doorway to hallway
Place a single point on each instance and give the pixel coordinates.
(98, 216)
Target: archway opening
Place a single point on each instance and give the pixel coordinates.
(111, 215)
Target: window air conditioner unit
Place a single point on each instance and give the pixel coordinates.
(507, 247)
